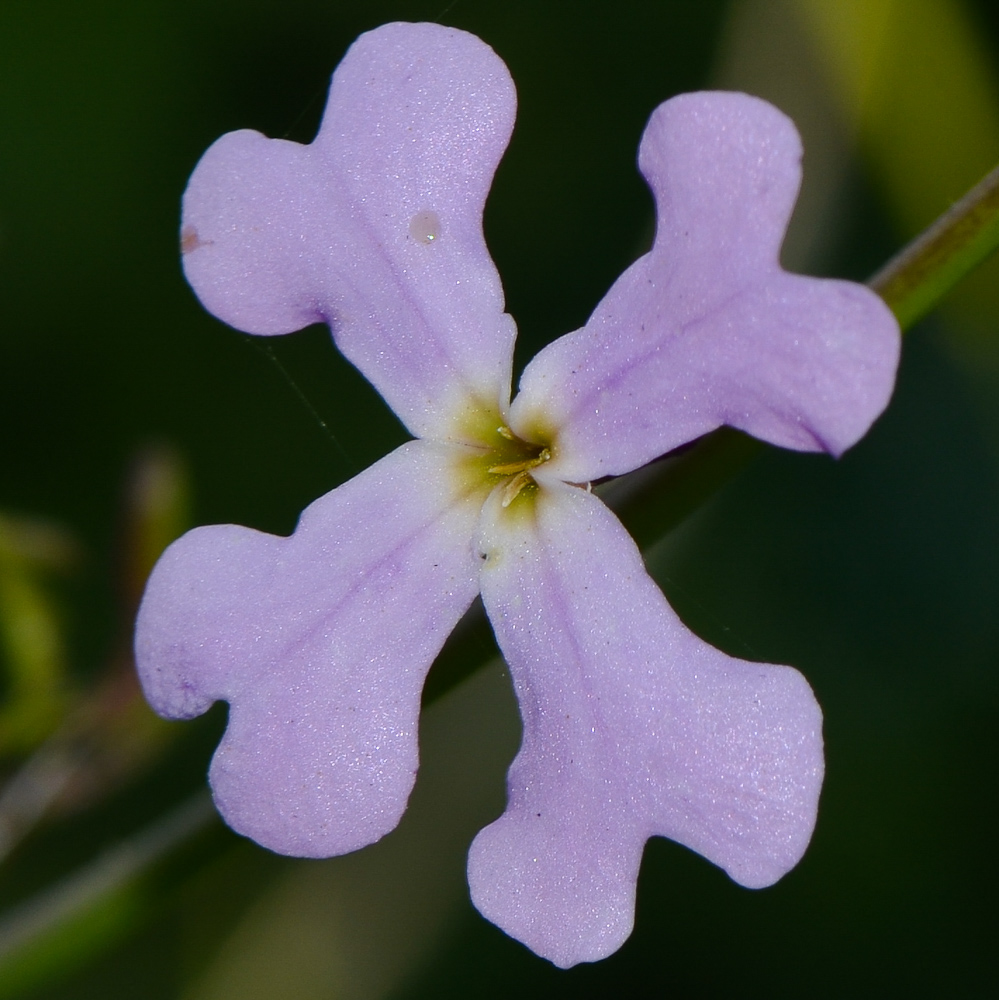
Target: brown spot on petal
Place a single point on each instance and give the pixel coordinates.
(190, 240)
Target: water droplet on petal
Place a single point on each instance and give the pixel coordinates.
(425, 227)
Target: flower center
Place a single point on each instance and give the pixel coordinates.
(490, 455)
(519, 470)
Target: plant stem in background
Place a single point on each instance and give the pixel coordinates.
(917, 278)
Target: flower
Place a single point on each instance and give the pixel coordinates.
(321, 641)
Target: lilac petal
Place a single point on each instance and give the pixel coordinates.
(706, 329)
(632, 727)
(376, 227)
(320, 642)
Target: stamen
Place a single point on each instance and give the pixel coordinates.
(512, 488)
(523, 466)
(505, 431)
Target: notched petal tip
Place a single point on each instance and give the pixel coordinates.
(515, 880)
(633, 727)
(376, 226)
(315, 771)
(751, 746)
(190, 628)
(320, 642)
(252, 218)
(818, 363)
(707, 329)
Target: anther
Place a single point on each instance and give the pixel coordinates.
(512, 488)
(521, 467)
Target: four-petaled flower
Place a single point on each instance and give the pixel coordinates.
(321, 641)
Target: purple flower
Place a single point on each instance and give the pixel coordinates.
(320, 642)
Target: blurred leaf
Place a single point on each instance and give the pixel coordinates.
(49, 936)
(158, 510)
(83, 744)
(57, 952)
(31, 631)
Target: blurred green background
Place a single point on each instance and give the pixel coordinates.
(127, 414)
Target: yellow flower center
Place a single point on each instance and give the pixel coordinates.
(518, 470)
(501, 458)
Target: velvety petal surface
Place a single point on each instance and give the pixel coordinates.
(320, 642)
(632, 727)
(376, 227)
(707, 329)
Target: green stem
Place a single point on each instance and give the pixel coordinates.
(916, 279)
